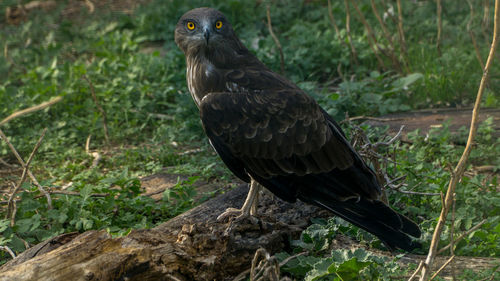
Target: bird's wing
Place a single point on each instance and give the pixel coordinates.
(275, 132)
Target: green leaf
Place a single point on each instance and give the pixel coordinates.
(403, 82)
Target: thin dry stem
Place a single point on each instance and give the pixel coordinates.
(96, 155)
(472, 36)
(337, 32)
(460, 168)
(442, 267)
(11, 206)
(31, 109)
(32, 177)
(452, 233)
(332, 21)
(90, 5)
(419, 267)
(276, 40)
(402, 41)
(363, 117)
(74, 193)
(99, 107)
(371, 36)
(8, 250)
(387, 36)
(462, 236)
(354, 54)
(439, 26)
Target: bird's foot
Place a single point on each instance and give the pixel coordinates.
(238, 215)
(239, 220)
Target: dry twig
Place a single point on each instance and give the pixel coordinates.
(99, 107)
(31, 109)
(387, 36)
(90, 5)
(11, 205)
(8, 250)
(276, 40)
(70, 193)
(97, 157)
(348, 31)
(371, 36)
(442, 267)
(363, 117)
(439, 26)
(459, 170)
(401, 30)
(462, 236)
(337, 32)
(419, 267)
(32, 177)
(471, 34)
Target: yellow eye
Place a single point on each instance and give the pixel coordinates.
(190, 25)
(218, 24)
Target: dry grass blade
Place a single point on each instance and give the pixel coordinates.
(460, 168)
(276, 40)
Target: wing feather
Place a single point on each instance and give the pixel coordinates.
(276, 132)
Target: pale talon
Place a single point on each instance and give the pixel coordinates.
(229, 212)
(247, 211)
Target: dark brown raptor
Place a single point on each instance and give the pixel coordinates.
(270, 133)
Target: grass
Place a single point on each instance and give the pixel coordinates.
(152, 120)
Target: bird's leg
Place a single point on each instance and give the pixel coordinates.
(249, 208)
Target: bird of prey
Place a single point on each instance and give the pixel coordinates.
(271, 133)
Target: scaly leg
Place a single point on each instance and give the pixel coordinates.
(249, 208)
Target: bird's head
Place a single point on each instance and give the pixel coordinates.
(203, 29)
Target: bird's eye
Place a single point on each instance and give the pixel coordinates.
(190, 25)
(218, 24)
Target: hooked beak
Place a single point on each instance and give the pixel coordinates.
(206, 34)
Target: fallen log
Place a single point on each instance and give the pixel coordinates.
(192, 246)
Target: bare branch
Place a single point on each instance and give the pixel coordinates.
(11, 207)
(31, 109)
(32, 177)
(442, 267)
(459, 170)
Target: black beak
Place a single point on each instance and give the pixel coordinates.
(206, 34)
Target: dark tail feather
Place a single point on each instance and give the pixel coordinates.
(377, 218)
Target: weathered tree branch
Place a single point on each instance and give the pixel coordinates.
(460, 168)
